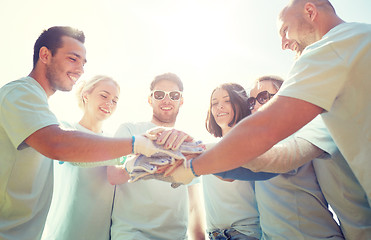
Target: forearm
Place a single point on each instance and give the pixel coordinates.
(254, 135)
(234, 150)
(75, 146)
(196, 219)
(285, 156)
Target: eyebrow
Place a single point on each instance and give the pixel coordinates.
(109, 93)
(214, 99)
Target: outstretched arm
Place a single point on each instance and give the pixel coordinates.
(276, 120)
(76, 146)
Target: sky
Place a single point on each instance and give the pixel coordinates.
(204, 42)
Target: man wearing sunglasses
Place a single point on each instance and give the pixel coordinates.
(152, 209)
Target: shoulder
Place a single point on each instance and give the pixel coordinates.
(25, 87)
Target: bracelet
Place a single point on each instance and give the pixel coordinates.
(191, 166)
(132, 143)
(123, 159)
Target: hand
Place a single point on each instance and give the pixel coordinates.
(146, 147)
(182, 174)
(169, 137)
(169, 168)
(117, 175)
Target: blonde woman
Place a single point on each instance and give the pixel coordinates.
(82, 198)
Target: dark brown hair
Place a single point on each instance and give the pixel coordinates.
(238, 98)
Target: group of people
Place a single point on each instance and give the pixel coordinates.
(288, 149)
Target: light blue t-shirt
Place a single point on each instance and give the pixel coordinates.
(148, 209)
(338, 184)
(231, 204)
(26, 176)
(292, 205)
(335, 74)
(82, 201)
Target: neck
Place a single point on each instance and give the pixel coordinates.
(92, 125)
(331, 22)
(225, 130)
(162, 124)
(39, 76)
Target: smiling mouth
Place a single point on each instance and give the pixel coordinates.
(105, 110)
(221, 114)
(74, 78)
(166, 108)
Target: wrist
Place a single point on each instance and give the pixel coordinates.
(192, 169)
(132, 143)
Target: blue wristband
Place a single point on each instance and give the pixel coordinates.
(132, 143)
(191, 166)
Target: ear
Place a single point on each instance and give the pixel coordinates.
(85, 98)
(181, 101)
(44, 54)
(310, 11)
(150, 100)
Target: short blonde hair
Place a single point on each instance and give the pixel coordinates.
(89, 85)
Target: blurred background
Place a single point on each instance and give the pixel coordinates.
(204, 42)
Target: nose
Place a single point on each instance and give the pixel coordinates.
(80, 69)
(110, 103)
(256, 107)
(220, 106)
(285, 43)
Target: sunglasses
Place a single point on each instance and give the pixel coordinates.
(173, 95)
(262, 98)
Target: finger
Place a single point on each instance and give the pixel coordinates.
(172, 167)
(172, 138)
(162, 138)
(179, 140)
(162, 169)
(189, 139)
(153, 133)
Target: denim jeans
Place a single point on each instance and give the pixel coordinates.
(229, 234)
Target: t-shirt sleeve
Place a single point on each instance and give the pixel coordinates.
(25, 110)
(317, 76)
(316, 133)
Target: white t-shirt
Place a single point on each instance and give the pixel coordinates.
(26, 176)
(148, 209)
(335, 74)
(231, 204)
(82, 201)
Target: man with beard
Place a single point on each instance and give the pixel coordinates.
(29, 130)
(331, 77)
(152, 209)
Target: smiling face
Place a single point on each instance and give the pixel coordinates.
(66, 66)
(166, 110)
(261, 86)
(296, 31)
(101, 101)
(221, 109)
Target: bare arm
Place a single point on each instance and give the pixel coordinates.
(75, 146)
(196, 219)
(276, 120)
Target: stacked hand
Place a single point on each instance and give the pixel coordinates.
(182, 174)
(162, 154)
